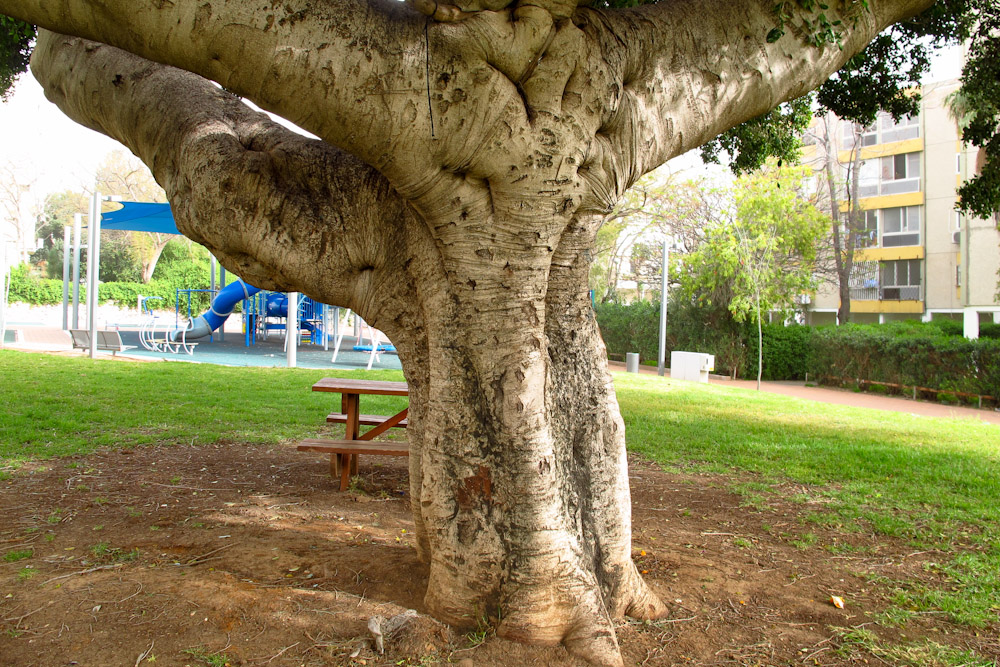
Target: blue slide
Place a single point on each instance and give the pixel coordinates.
(221, 308)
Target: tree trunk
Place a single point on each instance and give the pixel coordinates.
(843, 248)
(518, 469)
(149, 263)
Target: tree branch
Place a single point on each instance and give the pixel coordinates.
(687, 70)
(315, 63)
(239, 183)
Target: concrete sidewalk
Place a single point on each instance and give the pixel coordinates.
(844, 397)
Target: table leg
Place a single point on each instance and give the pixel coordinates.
(351, 406)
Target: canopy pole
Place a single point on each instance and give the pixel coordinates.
(77, 224)
(4, 289)
(661, 363)
(292, 329)
(67, 255)
(93, 268)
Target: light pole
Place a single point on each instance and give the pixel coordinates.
(661, 363)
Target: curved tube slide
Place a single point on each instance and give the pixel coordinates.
(221, 308)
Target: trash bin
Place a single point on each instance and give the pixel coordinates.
(632, 362)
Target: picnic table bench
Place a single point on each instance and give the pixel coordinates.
(107, 341)
(344, 452)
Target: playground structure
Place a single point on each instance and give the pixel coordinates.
(263, 312)
(374, 347)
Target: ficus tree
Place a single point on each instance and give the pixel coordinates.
(467, 154)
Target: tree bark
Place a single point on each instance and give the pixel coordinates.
(479, 150)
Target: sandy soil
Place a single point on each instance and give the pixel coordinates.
(248, 556)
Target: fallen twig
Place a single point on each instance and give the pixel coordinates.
(145, 654)
(87, 571)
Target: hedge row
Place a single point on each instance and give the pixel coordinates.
(872, 353)
(46, 291)
(923, 354)
(635, 328)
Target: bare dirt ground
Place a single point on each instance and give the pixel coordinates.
(240, 555)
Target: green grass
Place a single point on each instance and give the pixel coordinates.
(206, 657)
(932, 482)
(18, 554)
(924, 653)
(61, 406)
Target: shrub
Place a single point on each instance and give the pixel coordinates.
(28, 288)
(910, 356)
(787, 351)
(635, 327)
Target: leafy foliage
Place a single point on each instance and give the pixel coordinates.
(883, 77)
(16, 38)
(776, 134)
(901, 355)
(981, 92)
(787, 352)
(759, 255)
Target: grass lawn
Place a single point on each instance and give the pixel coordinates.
(932, 482)
(61, 406)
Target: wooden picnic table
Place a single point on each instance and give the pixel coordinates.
(344, 453)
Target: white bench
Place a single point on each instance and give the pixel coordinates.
(107, 341)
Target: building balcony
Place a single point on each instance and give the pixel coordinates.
(888, 293)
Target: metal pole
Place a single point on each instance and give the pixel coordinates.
(661, 363)
(67, 252)
(93, 269)
(3, 291)
(292, 328)
(77, 223)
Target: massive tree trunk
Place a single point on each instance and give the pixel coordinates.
(483, 146)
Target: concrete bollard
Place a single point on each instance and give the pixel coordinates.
(632, 362)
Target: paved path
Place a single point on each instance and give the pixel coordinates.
(55, 340)
(845, 397)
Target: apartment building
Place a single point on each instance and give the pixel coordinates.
(916, 257)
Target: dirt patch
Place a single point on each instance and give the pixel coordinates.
(182, 555)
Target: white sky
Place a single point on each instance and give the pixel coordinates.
(53, 153)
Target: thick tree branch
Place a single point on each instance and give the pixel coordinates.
(239, 183)
(337, 55)
(683, 71)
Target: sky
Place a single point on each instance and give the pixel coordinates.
(51, 153)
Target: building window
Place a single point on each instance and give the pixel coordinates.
(867, 232)
(890, 130)
(889, 175)
(866, 136)
(900, 226)
(900, 280)
(900, 173)
(883, 131)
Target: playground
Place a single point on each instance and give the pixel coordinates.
(230, 322)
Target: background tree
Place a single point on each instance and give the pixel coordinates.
(467, 156)
(838, 193)
(125, 176)
(659, 207)
(17, 213)
(757, 256)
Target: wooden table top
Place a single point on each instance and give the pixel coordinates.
(351, 386)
